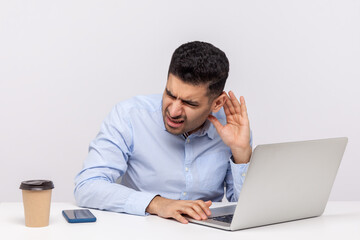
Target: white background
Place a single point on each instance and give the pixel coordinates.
(65, 64)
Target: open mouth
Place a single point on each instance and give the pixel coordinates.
(174, 123)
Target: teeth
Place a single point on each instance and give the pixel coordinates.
(177, 122)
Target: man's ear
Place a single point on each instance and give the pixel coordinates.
(219, 102)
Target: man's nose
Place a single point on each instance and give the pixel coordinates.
(175, 109)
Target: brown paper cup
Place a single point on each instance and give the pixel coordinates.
(36, 200)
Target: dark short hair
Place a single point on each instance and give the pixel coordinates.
(201, 63)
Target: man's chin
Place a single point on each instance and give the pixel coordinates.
(175, 131)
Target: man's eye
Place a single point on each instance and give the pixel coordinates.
(192, 105)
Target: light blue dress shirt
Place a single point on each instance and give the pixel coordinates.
(133, 144)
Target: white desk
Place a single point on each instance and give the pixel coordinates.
(341, 221)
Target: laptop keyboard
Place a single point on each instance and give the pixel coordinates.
(225, 218)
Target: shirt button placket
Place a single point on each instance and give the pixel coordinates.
(188, 155)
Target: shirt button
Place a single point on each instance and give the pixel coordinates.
(188, 140)
(184, 193)
(244, 174)
(186, 169)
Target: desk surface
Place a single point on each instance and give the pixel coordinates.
(341, 220)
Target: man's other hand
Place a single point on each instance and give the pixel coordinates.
(236, 132)
(168, 208)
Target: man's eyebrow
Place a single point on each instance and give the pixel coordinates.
(190, 102)
(169, 93)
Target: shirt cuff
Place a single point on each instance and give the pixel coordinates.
(239, 169)
(138, 202)
(239, 174)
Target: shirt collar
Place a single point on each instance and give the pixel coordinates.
(207, 129)
(211, 130)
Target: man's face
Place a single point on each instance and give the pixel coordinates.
(185, 107)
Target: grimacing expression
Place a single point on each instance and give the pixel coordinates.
(185, 107)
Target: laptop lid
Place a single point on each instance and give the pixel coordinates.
(284, 182)
(288, 181)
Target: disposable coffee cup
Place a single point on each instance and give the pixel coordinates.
(36, 199)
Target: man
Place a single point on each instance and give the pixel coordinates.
(173, 153)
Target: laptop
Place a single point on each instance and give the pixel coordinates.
(284, 182)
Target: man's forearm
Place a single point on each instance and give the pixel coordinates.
(105, 195)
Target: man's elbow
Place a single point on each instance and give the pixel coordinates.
(82, 195)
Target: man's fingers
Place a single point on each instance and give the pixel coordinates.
(243, 107)
(234, 106)
(180, 218)
(230, 106)
(235, 102)
(226, 108)
(218, 126)
(205, 206)
(200, 211)
(189, 210)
